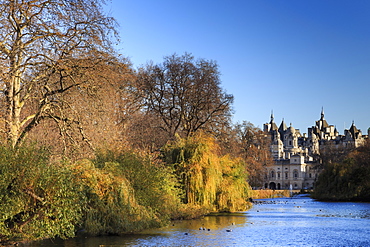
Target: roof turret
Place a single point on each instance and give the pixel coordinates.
(291, 129)
(354, 131)
(282, 126)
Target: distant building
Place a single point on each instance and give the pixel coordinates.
(295, 156)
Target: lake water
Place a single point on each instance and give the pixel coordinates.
(299, 221)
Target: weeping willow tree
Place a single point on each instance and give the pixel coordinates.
(218, 183)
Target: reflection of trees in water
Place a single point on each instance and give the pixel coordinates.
(213, 222)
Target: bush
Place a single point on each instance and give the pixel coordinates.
(37, 199)
(153, 184)
(111, 206)
(116, 193)
(346, 180)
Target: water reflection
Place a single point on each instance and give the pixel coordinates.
(279, 222)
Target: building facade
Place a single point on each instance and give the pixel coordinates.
(296, 164)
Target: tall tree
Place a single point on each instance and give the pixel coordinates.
(185, 93)
(96, 115)
(254, 147)
(47, 48)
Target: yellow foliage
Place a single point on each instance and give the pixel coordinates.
(112, 207)
(209, 179)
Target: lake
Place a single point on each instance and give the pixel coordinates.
(297, 221)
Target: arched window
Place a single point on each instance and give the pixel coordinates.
(272, 173)
(295, 174)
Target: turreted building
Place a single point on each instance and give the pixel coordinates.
(295, 155)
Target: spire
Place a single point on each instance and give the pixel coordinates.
(273, 124)
(322, 113)
(272, 116)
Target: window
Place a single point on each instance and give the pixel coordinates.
(286, 175)
(295, 174)
(272, 174)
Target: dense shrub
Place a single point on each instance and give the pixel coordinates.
(348, 179)
(117, 192)
(114, 194)
(37, 199)
(110, 206)
(152, 182)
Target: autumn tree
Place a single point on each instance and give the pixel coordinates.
(254, 148)
(184, 93)
(142, 132)
(206, 177)
(48, 48)
(98, 112)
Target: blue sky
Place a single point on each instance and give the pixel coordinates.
(290, 56)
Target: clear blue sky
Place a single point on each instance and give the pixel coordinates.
(290, 56)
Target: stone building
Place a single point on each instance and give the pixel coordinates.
(295, 155)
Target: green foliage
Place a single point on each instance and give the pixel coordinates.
(111, 206)
(117, 193)
(233, 191)
(346, 180)
(208, 179)
(37, 199)
(151, 181)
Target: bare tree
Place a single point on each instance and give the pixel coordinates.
(185, 94)
(98, 113)
(48, 48)
(142, 132)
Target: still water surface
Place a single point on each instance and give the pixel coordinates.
(299, 221)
